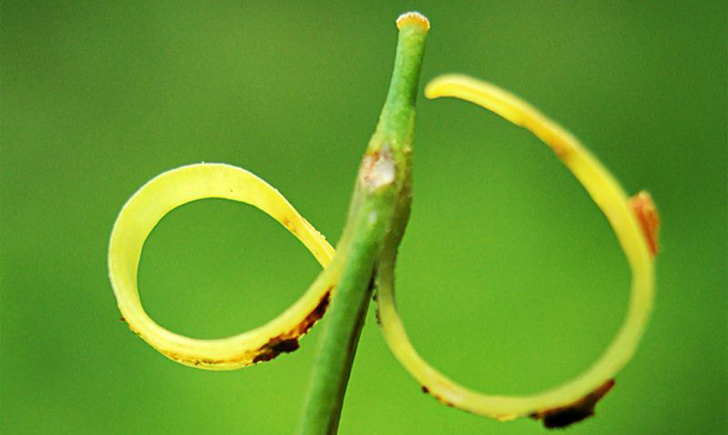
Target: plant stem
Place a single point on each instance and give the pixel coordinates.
(377, 215)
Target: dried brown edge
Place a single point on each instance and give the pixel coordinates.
(283, 343)
(581, 409)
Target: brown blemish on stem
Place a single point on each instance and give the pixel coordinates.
(581, 409)
(377, 168)
(367, 164)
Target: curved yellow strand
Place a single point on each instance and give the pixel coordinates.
(189, 183)
(613, 202)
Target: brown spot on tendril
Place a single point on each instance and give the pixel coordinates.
(317, 312)
(583, 408)
(646, 213)
(275, 347)
(288, 342)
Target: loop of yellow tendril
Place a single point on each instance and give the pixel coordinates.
(182, 185)
(189, 183)
(613, 202)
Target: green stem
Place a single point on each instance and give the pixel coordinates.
(377, 215)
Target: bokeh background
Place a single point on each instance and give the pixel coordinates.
(510, 280)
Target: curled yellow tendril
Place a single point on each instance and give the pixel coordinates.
(613, 202)
(189, 183)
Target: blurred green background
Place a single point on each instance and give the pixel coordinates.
(510, 280)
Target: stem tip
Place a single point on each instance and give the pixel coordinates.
(415, 18)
